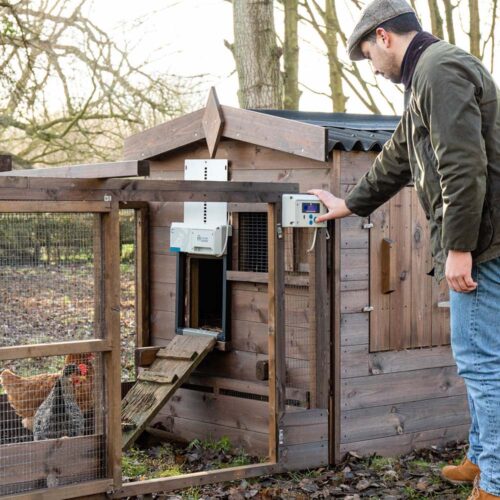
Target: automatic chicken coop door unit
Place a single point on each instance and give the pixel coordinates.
(201, 244)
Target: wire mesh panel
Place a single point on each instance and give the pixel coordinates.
(128, 249)
(57, 274)
(51, 422)
(300, 329)
(46, 277)
(252, 248)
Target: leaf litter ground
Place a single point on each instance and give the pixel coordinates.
(413, 476)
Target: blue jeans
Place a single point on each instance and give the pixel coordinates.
(475, 340)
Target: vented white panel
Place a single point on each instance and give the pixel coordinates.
(205, 214)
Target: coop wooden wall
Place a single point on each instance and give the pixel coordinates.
(194, 414)
(390, 401)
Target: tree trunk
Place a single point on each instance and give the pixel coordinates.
(474, 29)
(448, 8)
(291, 55)
(436, 19)
(339, 99)
(256, 54)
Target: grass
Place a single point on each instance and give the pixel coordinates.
(222, 445)
(164, 461)
(193, 493)
(381, 463)
(134, 463)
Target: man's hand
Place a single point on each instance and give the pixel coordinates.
(459, 271)
(336, 206)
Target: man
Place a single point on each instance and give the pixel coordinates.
(448, 144)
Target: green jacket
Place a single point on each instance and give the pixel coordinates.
(448, 144)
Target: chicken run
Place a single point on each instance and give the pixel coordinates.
(63, 423)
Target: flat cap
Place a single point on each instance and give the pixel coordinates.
(375, 14)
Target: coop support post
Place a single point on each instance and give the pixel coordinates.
(276, 294)
(142, 276)
(322, 316)
(112, 367)
(334, 409)
(313, 324)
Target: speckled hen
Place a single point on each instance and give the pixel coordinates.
(59, 415)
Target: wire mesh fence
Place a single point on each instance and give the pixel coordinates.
(299, 311)
(128, 252)
(252, 248)
(299, 300)
(46, 278)
(52, 408)
(46, 404)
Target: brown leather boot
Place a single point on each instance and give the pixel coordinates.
(464, 473)
(479, 494)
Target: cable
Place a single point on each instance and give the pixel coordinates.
(314, 241)
(228, 226)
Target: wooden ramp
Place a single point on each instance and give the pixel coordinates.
(157, 384)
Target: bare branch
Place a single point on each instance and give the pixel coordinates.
(67, 92)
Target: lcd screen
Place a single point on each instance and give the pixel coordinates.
(310, 208)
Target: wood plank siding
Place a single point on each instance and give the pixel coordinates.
(369, 382)
(225, 390)
(399, 388)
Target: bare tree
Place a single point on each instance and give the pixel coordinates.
(67, 92)
(474, 28)
(450, 28)
(346, 78)
(342, 75)
(291, 55)
(436, 19)
(257, 54)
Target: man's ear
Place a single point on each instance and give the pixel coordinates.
(384, 37)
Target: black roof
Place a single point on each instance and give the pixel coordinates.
(348, 132)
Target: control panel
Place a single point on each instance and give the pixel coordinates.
(301, 210)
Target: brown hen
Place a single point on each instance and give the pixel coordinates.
(26, 394)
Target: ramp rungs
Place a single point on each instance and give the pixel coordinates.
(179, 356)
(158, 377)
(168, 371)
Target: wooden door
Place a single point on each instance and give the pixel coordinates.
(409, 307)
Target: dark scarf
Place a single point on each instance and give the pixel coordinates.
(416, 48)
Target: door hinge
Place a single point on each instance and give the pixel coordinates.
(281, 436)
(368, 309)
(279, 231)
(368, 225)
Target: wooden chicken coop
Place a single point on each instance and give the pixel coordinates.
(80, 456)
(297, 344)
(392, 383)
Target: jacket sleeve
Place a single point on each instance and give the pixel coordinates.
(389, 174)
(447, 98)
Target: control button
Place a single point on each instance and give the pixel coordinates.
(315, 219)
(310, 222)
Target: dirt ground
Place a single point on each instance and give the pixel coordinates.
(54, 304)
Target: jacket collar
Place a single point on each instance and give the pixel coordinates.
(413, 53)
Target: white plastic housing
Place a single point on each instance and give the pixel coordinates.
(301, 210)
(203, 240)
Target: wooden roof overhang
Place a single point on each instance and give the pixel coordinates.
(216, 121)
(142, 190)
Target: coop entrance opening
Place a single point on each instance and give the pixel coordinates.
(202, 296)
(206, 301)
